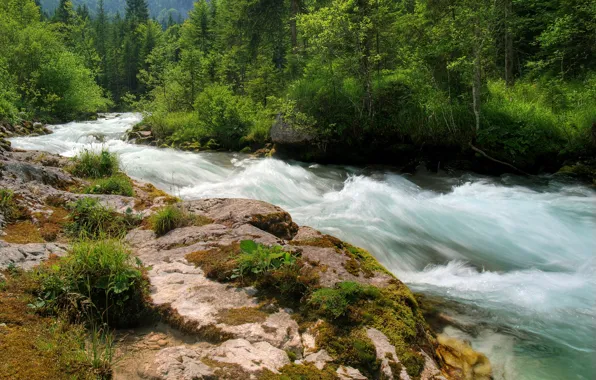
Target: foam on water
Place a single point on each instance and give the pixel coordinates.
(517, 254)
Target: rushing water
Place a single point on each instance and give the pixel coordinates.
(514, 257)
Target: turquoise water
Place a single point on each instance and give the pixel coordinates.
(514, 257)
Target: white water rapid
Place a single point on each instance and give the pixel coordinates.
(512, 259)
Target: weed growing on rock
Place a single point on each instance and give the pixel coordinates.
(259, 259)
(91, 220)
(172, 216)
(118, 184)
(98, 279)
(8, 205)
(335, 302)
(90, 164)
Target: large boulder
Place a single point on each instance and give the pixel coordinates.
(286, 134)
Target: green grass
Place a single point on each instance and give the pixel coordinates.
(8, 206)
(98, 281)
(171, 217)
(89, 219)
(90, 164)
(334, 302)
(118, 184)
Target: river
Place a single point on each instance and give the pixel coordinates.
(513, 258)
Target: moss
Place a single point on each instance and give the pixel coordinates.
(305, 371)
(279, 224)
(289, 283)
(291, 355)
(217, 263)
(368, 264)
(325, 241)
(349, 346)
(353, 267)
(22, 233)
(37, 347)
(153, 192)
(241, 316)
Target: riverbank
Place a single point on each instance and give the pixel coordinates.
(212, 309)
(436, 232)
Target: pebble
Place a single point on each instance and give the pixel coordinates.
(162, 342)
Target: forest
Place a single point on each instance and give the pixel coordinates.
(366, 80)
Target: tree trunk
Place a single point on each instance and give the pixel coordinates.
(476, 87)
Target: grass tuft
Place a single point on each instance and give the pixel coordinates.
(91, 220)
(90, 164)
(174, 216)
(97, 280)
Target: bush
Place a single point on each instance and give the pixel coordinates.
(97, 279)
(171, 217)
(91, 220)
(90, 164)
(118, 184)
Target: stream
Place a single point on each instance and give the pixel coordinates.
(512, 259)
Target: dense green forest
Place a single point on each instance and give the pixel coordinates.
(161, 10)
(372, 79)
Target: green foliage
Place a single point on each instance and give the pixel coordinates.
(89, 219)
(171, 217)
(335, 302)
(8, 206)
(118, 184)
(97, 279)
(257, 259)
(91, 164)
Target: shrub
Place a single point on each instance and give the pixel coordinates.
(90, 164)
(334, 302)
(91, 220)
(172, 216)
(118, 184)
(97, 279)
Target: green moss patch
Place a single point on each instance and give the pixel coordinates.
(362, 261)
(305, 371)
(118, 184)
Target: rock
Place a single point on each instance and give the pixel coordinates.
(178, 363)
(27, 256)
(284, 133)
(319, 359)
(349, 373)
(461, 359)
(251, 357)
(234, 212)
(387, 355)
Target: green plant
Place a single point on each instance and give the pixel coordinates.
(258, 259)
(99, 280)
(174, 216)
(8, 206)
(90, 219)
(90, 164)
(334, 302)
(118, 184)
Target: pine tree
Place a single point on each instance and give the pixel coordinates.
(137, 12)
(64, 13)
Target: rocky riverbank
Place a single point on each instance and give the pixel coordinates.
(343, 315)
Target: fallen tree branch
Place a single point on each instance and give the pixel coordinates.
(497, 161)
